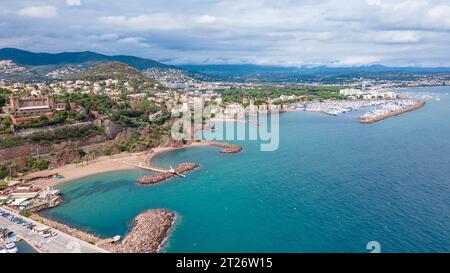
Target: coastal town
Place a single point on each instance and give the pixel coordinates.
(223, 136)
(116, 118)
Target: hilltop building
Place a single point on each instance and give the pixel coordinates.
(33, 106)
(25, 109)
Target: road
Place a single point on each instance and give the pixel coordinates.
(61, 243)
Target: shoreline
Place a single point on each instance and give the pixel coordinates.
(225, 119)
(71, 172)
(153, 231)
(60, 244)
(160, 221)
(150, 231)
(75, 232)
(106, 164)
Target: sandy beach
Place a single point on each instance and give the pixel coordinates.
(227, 119)
(230, 119)
(152, 227)
(102, 164)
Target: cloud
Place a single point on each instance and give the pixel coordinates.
(279, 32)
(409, 14)
(134, 41)
(394, 37)
(206, 19)
(38, 11)
(439, 15)
(145, 22)
(356, 61)
(73, 2)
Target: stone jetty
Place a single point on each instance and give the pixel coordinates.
(184, 167)
(150, 230)
(227, 148)
(180, 169)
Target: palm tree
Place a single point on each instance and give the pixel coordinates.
(3, 233)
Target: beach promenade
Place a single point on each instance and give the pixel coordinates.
(61, 243)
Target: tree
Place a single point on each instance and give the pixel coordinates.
(4, 233)
(80, 116)
(43, 119)
(4, 94)
(146, 106)
(25, 213)
(3, 172)
(2, 101)
(81, 152)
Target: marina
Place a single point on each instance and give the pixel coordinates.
(380, 109)
(337, 107)
(391, 109)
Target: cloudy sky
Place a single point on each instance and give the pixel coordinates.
(281, 32)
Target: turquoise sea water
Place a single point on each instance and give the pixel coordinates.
(332, 186)
(24, 247)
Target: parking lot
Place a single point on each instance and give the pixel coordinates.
(42, 237)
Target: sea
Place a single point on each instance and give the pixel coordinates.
(333, 185)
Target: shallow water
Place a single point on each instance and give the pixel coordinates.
(332, 186)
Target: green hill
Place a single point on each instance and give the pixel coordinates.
(123, 73)
(38, 65)
(112, 70)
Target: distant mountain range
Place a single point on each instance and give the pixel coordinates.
(26, 58)
(242, 69)
(45, 66)
(318, 74)
(246, 69)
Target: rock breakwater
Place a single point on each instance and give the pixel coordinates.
(148, 233)
(227, 148)
(180, 169)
